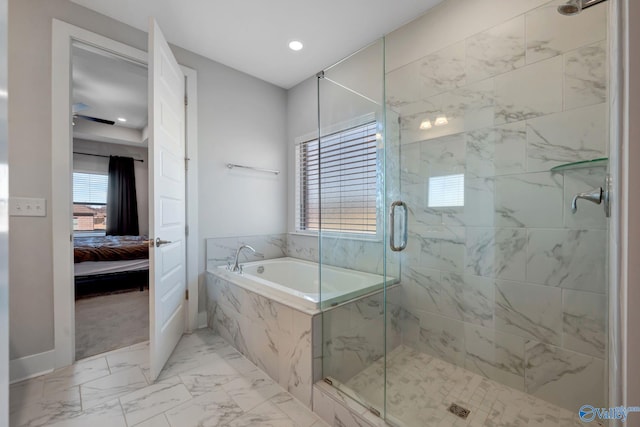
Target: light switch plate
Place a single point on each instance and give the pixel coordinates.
(27, 206)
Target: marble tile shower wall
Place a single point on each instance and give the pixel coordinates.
(511, 285)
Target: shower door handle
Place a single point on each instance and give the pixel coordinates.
(392, 226)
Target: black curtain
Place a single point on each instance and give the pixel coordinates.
(122, 204)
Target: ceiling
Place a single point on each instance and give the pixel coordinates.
(253, 35)
(110, 86)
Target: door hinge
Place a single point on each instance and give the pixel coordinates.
(186, 100)
(186, 294)
(71, 237)
(186, 163)
(186, 230)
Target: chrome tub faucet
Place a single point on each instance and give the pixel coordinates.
(237, 268)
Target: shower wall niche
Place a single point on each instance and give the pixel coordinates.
(499, 277)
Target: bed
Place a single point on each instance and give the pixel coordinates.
(110, 263)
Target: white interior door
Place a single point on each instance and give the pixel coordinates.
(167, 263)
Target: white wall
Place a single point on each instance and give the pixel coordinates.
(82, 163)
(240, 119)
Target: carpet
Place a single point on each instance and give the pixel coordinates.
(109, 322)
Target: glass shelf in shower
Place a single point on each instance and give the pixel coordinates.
(583, 164)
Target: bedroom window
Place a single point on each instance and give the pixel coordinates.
(342, 169)
(89, 202)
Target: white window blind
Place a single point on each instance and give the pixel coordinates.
(336, 181)
(89, 188)
(446, 191)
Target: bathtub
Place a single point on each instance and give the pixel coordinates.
(295, 282)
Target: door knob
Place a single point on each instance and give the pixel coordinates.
(160, 242)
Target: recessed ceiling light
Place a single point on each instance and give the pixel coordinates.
(122, 119)
(295, 45)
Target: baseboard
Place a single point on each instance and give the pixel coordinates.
(31, 366)
(202, 319)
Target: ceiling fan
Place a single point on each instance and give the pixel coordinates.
(79, 106)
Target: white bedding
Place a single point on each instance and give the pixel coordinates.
(92, 268)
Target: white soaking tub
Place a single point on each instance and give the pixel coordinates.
(295, 282)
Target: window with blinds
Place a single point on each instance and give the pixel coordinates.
(89, 202)
(336, 181)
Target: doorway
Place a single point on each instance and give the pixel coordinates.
(64, 37)
(110, 200)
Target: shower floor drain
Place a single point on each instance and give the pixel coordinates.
(459, 411)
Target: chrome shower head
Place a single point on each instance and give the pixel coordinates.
(572, 7)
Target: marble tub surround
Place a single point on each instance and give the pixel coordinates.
(509, 284)
(353, 334)
(356, 254)
(222, 250)
(215, 386)
(276, 337)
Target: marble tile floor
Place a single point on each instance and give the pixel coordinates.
(206, 382)
(422, 387)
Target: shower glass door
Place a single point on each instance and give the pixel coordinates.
(501, 311)
(346, 177)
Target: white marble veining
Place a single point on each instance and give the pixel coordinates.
(207, 410)
(542, 206)
(441, 337)
(524, 95)
(496, 50)
(496, 151)
(420, 388)
(303, 247)
(496, 252)
(571, 259)
(99, 391)
(154, 399)
(277, 338)
(129, 357)
(219, 387)
(571, 136)
(479, 203)
(443, 71)
(549, 34)
(220, 251)
(495, 355)
(443, 156)
(108, 414)
(585, 73)
(528, 92)
(46, 409)
(530, 311)
(466, 108)
(584, 317)
(562, 376)
(83, 371)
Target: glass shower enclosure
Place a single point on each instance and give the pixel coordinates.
(493, 300)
